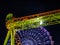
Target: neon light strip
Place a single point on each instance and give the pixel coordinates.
(50, 19)
(7, 37)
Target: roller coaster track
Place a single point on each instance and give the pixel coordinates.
(27, 25)
(47, 18)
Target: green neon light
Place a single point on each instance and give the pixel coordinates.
(12, 37)
(46, 20)
(7, 37)
(50, 19)
(9, 16)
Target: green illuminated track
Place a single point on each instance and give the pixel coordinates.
(41, 19)
(50, 19)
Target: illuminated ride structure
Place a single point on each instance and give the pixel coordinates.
(29, 30)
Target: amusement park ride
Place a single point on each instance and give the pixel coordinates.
(29, 30)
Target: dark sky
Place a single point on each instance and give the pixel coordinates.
(27, 7)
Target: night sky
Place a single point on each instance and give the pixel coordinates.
(28, 7)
